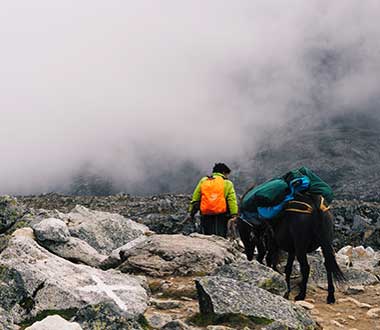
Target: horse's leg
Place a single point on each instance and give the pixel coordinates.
(261, 250)
(272, 249)
(288, 272)
(305, 270)
(245, 233)
(330, 287)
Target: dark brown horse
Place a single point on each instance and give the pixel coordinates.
(301, 229)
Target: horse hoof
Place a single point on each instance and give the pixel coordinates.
(331, 300)
(299, 297)
(286, 295)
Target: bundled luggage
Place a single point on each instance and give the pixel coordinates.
(268, 199)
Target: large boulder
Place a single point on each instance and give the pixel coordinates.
(52, 229)
(54, 235)
(77, 251)
(161, 255)
(220, 296)
(359, 257)
(102, 230)
(255, 273)
(35, 281)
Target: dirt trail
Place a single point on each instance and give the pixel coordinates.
(348, 313)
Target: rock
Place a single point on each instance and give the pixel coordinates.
(224, 296)
(54, 235)
(10, 212)
(168, 223)
(162, 255)
(102, 230)
(305, 304)
(275, 326)
(354, 301)
(175, 325)
(354, 276)
(166, 304)
(6, 320)
(53, 230)
(158, 320)
(218, 327)
(255, 273)
(33, 281)
(77, 251)
(361, 224)
(114, 259)
(337, 324)
(164, 213)
(54, 322)
(354, 289)
(373, 313)
(359, 257)
(161, 213)
(358, 223)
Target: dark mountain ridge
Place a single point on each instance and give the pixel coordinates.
(345, 152)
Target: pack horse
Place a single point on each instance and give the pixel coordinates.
(304, 225)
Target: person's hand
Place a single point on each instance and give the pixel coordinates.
(231, 227)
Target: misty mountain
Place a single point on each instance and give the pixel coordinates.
(344, 151)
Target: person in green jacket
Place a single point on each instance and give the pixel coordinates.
(215, 198)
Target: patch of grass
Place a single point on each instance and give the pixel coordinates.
(236, 321)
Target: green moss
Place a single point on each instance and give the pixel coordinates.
(27, 304)
(3, 271)
(265, 284)
(201, 274)
(236, 321)
(20, 224)
(67, 314)
(99, 325)
(144, 323)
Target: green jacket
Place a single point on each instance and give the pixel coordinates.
(229, 194)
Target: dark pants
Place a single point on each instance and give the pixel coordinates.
(214, 224)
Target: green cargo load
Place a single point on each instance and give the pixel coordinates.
(317, 185)
(268, 193)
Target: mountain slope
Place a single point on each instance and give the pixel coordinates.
(345, 152)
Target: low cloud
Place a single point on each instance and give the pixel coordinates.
(126, 87)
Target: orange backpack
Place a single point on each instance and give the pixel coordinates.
(212, 196)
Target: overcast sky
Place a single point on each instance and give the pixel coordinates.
(115, 84)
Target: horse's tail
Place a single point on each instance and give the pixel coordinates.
(325, 237)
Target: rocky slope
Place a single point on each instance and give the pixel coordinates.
(357, 222)
(94, 269)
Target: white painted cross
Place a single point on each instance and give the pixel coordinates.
(109, 290)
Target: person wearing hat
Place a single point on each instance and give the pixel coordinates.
(215, 198)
